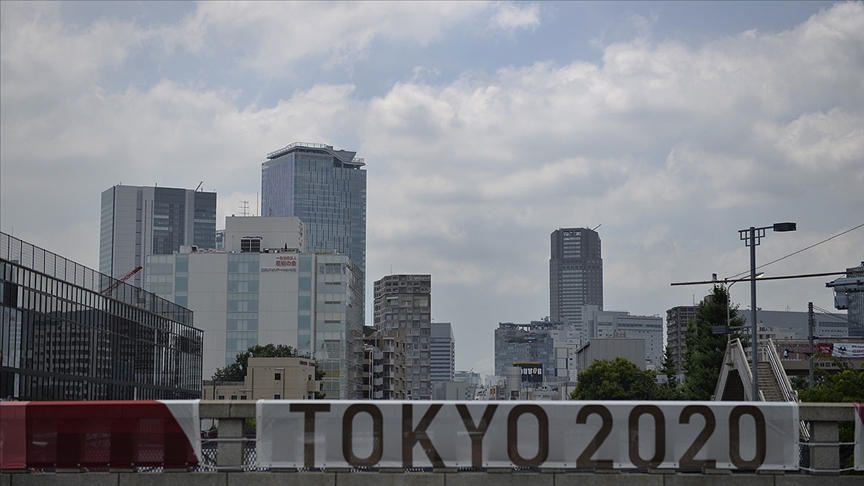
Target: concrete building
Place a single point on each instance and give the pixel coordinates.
(598, 349)
(140, 221)
(454, 390)
(552, 344)
(405, 302)
(575, 274)
(795, 325)
(326, 189)
(269, 379)
(777, 325)
(68, 332)
(676, 331)
(264, 288)
(607, 324)
(443, 353)
(855, 304)
(471, 377)
(384, 364)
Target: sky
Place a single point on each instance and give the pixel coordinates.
(668, 126)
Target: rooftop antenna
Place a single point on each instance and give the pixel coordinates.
(199, 186)
(595, 228)
(244, 208)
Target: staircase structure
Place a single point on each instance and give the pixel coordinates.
(736, 380)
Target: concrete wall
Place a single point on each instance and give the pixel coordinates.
(503, 478)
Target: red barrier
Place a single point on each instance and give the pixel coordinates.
(13, 440)
(98, 434)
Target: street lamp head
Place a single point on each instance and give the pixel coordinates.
(780, 227)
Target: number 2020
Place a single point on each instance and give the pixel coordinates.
(688, 459)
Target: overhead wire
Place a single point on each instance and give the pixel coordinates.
(828, 313)
(797, 252)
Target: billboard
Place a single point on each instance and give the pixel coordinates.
(532, 372)
(583, 435)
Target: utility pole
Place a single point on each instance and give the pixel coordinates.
(811, 326)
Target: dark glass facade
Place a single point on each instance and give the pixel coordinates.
(141, 221)
(68, 332)
(575, 274)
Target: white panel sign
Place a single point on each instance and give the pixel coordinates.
(727, 435)
(859, 437)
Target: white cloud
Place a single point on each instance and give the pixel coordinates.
(512, 16)
(672, 148)
(43, 59)
(271, 37)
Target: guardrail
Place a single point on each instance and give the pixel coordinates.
(124, 443)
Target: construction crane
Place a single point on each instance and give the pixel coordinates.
(122, 279)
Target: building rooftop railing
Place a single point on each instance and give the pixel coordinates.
(52, 265)
(282, 151)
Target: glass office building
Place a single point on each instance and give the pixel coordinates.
(141, 221)
(68, 332)
(326, 189)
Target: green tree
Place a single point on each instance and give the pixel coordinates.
(670, 369)
(236, 371)
(846, 386)
(670, 388)
(618, 379)
(704, 350)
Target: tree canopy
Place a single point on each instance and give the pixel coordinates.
(704, 350)
(236, 371)
(618, 379)
(846, 386)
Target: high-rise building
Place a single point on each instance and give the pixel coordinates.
(141, 221)
(575, 274)
(443, 355)
(405, 302)
(326, 189)
(677, 319)
(265, 289)
(68, 332)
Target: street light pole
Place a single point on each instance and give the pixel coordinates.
(755, 333)
(752, 237)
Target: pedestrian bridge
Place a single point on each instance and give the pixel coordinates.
(424, 443)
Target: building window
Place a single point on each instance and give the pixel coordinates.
(250, 245)
(277, 397)
(278, 376)
(233, 397)
(221, 397)
(242, 397)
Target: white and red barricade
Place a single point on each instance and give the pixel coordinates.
(118, 434)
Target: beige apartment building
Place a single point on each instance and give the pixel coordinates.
(268, 378)
(384, 364)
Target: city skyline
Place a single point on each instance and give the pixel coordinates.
(484, 126)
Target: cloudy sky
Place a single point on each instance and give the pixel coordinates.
(485, 126)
